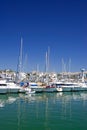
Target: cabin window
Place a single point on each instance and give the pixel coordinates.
(3, 84)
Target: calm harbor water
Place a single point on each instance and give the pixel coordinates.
(45, 111)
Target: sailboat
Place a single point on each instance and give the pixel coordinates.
(14, 87)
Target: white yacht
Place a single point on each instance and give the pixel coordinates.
(70, 86)
(12, 87)
(3, 86)
(66, 86)
(8, 87)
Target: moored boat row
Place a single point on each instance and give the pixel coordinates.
(32, 87)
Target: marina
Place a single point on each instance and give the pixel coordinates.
(43, 65)
(8, 85)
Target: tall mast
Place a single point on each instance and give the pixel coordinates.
(69, 66)
(62, 67)
(48, 58)
(46, 63)
(25, 65)
(20, 56)
(19, 65)
(37, 69)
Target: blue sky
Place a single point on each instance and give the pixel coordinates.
(59, 24)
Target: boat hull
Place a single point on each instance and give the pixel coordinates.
(3, 90)
(50, 89)
(13, 89)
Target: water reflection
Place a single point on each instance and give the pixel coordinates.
(47, 111)
(53, 97)
(11, 98)
(7, 99)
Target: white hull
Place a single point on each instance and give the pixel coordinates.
(38, 90)
(49, 90)
(13, 90)
(83, 88)
(12, 87)
(24, 89)
(59, 89)
(3, 90)
(30, 92)
(67, 89)
(71, 89)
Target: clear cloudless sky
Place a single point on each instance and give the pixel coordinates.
(60, 25)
